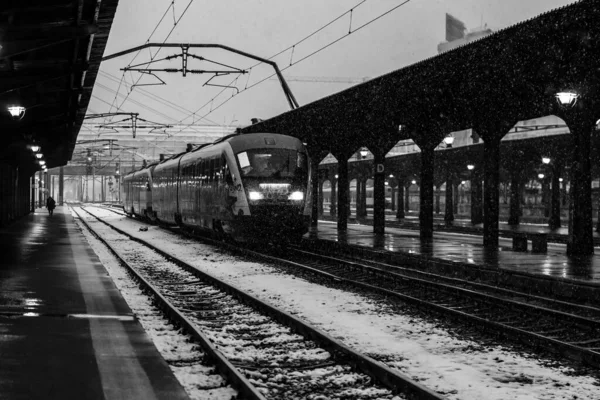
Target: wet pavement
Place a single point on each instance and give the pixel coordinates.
(468, 249)
(65, 330)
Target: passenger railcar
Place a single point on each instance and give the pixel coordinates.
(136, 192)
(251, 186)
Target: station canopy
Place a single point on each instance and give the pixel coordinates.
(49, 58)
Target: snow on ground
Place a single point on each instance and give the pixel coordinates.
(461, 369)
(183, 357)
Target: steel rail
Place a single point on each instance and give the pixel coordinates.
(227, 370)
(571, 351)
(394, 380)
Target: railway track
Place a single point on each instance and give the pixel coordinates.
(263, 352)
(569, 329)
(559, 327)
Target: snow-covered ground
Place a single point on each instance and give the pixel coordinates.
(460, 369)
(184, 358)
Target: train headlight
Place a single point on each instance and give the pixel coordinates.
(255, 195)
(298, 196)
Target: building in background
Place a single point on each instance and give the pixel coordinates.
(458, 35)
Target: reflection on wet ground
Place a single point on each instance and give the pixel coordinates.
(466, 249)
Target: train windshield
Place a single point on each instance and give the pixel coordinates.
(273, 163)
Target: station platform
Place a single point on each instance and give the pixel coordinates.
(462, 254)
(65, 330)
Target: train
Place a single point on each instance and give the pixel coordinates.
(247, 187)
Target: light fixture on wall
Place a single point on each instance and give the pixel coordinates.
(546, 160)
(470, 167)
(567, 98)
(16, 112)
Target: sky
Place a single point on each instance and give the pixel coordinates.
(406, 35)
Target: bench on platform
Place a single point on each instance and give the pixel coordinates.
(539, 242)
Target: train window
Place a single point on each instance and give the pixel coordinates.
(273, 163)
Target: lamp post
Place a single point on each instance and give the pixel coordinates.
(580, 115)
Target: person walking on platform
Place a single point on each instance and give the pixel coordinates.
(50, 204)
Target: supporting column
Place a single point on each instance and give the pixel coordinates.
(491, 150)
(476, 197)
(400, 209)
(61, 186)
(359, 195)
(333, 197)
(314, 214)
(393, 205)
(437, 198)
(343, 191)
(515, 199)
(554, 222)
(426, 192)
(379, 192)
(455, 190)
(316, 156)
(580, 241)
(32, 195)
(449, 207)
(407, 196)
(321, 210)
(363, 200)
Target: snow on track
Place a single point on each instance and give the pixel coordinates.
(461, 369)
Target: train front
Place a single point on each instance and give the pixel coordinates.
(274, 180)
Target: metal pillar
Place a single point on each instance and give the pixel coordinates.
(426, 193)
(554, 222)
(379, 193)
(343, 189)
(320, 197)
(407, 197)
(491, 150)
(449, 206)
(476, 198)
(333, 198)
(400, 209)
(515, 199)
(359, 195)
(314, 214)
(580, 241)
(93, 184)
(61, 186)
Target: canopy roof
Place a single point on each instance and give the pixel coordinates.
(510, 75)
(50, 55)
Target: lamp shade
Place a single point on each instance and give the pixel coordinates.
(449, 140)
(567, 98)
(17, 112)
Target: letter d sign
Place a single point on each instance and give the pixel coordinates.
(379, 169)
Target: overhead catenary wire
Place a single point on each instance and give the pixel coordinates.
(135, 56)
(152, 57)
(156, 98)
(296, 62)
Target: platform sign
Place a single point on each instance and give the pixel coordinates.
(379, 168)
